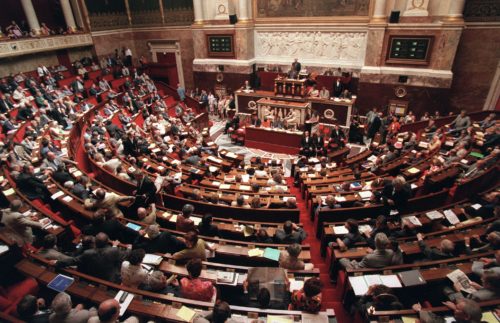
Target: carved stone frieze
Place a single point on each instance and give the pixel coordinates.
(34, 45)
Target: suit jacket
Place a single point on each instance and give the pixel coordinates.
(19, 227)
(114, 229)
(318, 142)
(5, 105)
(374, 126)
(104, 263)
(148, 188)
(337, 136)
(295, 237)
(377, 259)
(32, 187)
(53, 254)
(306, 143)
(337, 89)
(73, 316)
(165, 242)
(433, 253)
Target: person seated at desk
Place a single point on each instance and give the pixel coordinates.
(256, 122)
(307, 299)
(379, 258)
(109, 312)
(291, 233)
(193, 287)
(154, 241)
(464, 310)
(264, 299)
(488, 122)
(490, 264)
(324, 93)
(306, 145)
(462, 121)
(346, 95)
(352, 237)
(50, 251)
(337, 138)
(64, 312)
(490, 289)
(277, 123)
(220, 314)
(31, 310)
(206, 227)
(445, 251)
(266, 123)
(319, 144)
(195, 248)
(379, 298)
(313, 92)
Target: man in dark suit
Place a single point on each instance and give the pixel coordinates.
(397, 197)
(5, 104)
(77, 85)
(155, 241)
(31, 186)
(337, 138)
(374, 126)
(256, 121)
(103, 261)
(306, 145)
(130, 146)
(445, 250)
(296, 66)
(146, 189)
(318, 143)
(338, 87)
(102, 222)
(291, 233)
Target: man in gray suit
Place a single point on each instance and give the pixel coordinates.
(65, 313)
(50, 251)
(18, 225)
(380, 258)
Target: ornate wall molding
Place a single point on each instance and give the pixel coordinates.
(329, 48)
(30, 46)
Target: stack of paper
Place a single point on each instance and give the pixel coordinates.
(413, 170)
(434, 215)
(255, 252)
(151, 259)
(414, 220)
(365, 195)
(451, 217)
(185, 313)
(340, 230)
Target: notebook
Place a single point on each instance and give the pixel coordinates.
(271, 253)
(60, 283)
(133, 226)
(411, 278)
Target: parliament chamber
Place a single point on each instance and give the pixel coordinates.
(250, 161)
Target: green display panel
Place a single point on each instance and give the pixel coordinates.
(220, 45)
(409, 50)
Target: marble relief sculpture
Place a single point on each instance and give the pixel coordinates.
(327, 46)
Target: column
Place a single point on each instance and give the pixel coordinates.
(379, 12)
(456, 9)
(198, 11)
(30, 13)
(162, 11)
(68, 15)
(78, 14)
(129, 15)
(243, 10)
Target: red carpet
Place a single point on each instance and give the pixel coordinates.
(332, 296)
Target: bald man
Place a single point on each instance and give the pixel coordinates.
(109, 312)
(445, 250)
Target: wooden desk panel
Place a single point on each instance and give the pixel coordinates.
(272, 140)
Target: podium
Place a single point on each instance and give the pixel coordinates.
(269, 108)
(290, 87)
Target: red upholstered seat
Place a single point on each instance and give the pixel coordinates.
(10, 296)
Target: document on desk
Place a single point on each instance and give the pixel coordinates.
(434, 215)
(279, 319)
(295, 284)
(185, 313)
(414, 220)
(124, 305)
(56, 195)
(256, 252)
(391, 281)
(224, 186)
(340, 229)
(271, 253)
(9, 192)
(358, 285)
(413, 170)
(314, 318)
(151, 259)
(451, 217)
(365, 195)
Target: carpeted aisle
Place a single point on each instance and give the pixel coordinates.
(332, 297)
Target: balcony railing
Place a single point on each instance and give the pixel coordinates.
(35, 45)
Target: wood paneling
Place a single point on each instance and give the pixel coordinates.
(207, 80)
